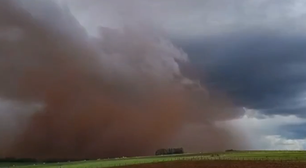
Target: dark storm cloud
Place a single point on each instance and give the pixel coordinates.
(260, 70)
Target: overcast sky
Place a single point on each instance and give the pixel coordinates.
(197, 17)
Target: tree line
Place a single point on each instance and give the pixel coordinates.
(169, 151)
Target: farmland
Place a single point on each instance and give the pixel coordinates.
(223, 164)
(230, 159)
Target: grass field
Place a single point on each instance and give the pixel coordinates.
(224, 156)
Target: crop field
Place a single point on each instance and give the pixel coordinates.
(223, 164)
(229, 159)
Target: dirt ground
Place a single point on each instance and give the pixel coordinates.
(223, 164)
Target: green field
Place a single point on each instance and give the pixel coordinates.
(238, 155)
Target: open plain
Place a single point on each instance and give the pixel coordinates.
(223, 164)
(236, 159)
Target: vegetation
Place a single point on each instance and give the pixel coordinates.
(221, 156)
(169, 151)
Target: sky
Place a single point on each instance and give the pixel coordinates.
(251, 49)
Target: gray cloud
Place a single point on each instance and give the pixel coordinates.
(264, 71)
(293, 131)
(252, 49)
(183, 18)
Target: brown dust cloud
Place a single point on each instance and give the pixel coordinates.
(66, 94)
